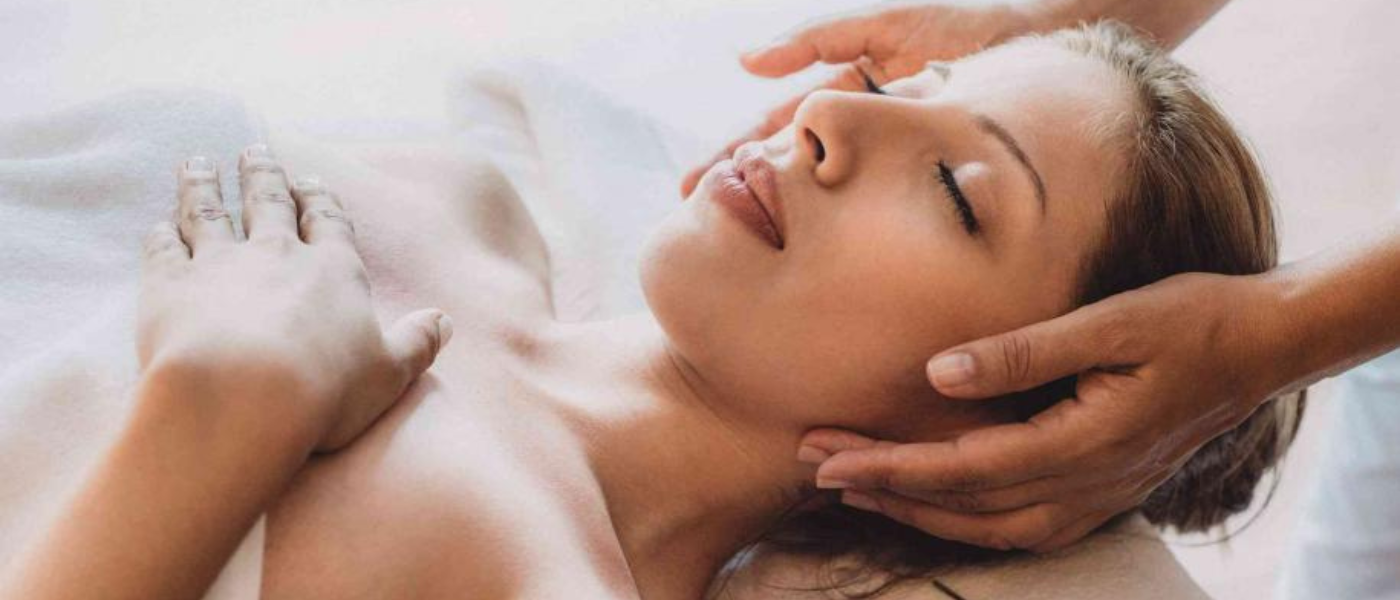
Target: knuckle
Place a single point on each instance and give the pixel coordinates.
(272, 196)
(1016, 357)
(207, 211)
(1119, 328)
(892, 468)
(324, 214)
(262, 167)
(886, 478)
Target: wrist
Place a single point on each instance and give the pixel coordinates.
(1280, 305)
(233, 404)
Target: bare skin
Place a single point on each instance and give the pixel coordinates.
(478, 483)
(632, 458)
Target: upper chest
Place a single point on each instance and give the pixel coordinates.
(465, 485)
(450, 494)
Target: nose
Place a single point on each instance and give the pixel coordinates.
(833, 131)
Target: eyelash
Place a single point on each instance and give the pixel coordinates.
(969, 220)
(945, 174)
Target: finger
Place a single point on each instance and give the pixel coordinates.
(1031, 356)
(984, 459)
(204, 223)
(322, 220)
(1012, 497)
(1023, 528)
(832, 40)
(1072, 533)
(268, 208)
(847, 79)
(162, 246)
(820, 444)
(415, 340)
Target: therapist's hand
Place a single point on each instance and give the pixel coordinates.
(1164, 369)
(887, 42)
(281, 321)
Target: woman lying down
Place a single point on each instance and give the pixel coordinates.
(803, 284)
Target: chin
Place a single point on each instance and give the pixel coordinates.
(699, 286)
(677, 275)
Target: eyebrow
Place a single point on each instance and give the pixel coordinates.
(989, 125)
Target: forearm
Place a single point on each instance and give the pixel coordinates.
(169, 503)
(1338, 309)
(1169, 22)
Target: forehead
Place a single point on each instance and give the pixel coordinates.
(1065, 108)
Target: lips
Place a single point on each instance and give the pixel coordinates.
(762, 179)
(747, 187)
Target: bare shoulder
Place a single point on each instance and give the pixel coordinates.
(1127, 561)
(432, 219)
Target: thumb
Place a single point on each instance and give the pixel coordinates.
(415, 339)
(837, 40)
(1025, 358)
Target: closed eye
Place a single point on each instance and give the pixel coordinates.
(960, 203)
(945, 174)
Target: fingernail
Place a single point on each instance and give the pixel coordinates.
(952, 370)
(812, 454)
(257, 151)
(859, 500)
(829, 483)
(199, 164)
(444, 325)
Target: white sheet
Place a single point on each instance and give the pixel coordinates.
(79, 188)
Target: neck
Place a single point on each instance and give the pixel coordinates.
(687, 483)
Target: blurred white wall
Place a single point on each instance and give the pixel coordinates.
(1313, 83)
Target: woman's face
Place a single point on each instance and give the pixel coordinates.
(961, 204)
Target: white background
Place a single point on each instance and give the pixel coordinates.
(1315, 85)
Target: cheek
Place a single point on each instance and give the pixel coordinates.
(889, 291)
